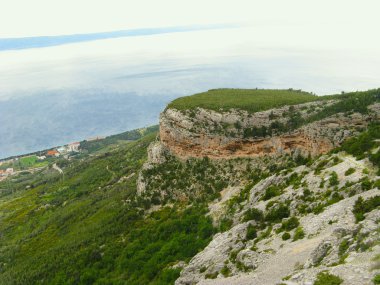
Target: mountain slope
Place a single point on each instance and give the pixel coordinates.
(183, 208)
(82, 230)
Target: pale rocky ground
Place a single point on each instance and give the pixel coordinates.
(301, 260)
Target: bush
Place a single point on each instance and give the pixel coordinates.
(366, 183)
(253, 214)
(271, 192)
(290, 224)
(325, 278)
(343, 246)
(349, 171)
(277, 213)
(362, 207)
(361, 145)
(225, 224)
(251, 232)
(333, 180)
(225, 271)
(298, 234)
(376, 279)
(285, 236)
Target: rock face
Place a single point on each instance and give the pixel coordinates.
(333, 241)
(200, 132)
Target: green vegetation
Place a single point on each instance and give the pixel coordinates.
(96, 145)
(251, 100)
(349, 171)
(28, 161)
(225, 271)
(326, 278)
(90, 229)
(342, 251)
(211, 275)
(24, 163)
(333, 180)
(277, 213)
(298, 234)
(272, 191)
(285, 236)
(251, 232)
(89, 226)
(253, 214)
(362, 145)
(259, 100)
(376, 279)
(290, 224)
(362, 207)
(347, 103)
(225, 224)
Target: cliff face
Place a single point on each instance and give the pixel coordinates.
(201, 132)
(279, 220)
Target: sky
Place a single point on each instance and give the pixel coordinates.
(86, 52)
(22, 18)
(69, 44)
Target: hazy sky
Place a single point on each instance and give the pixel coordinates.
(322, 46)
(20, 18)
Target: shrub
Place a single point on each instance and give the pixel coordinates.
(325, 278)
(333, 180)
(277, 213)
(298, 234)
(285, 236)
(225, 271)
(253, 214)
(349, 171)
(366, 183)
(361, 145)
(211, 275)
(251, 232)
(343, 247)
(336, 160)
(225, 224)
(362, 207)
(290, 224)
(271, 192)
(376, 279)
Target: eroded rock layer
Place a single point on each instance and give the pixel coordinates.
(201, 132)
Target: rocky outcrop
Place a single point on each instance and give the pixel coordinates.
(232, 259)
(200, 132)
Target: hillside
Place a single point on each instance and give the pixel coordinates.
(208, 199)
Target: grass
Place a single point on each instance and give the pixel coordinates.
(251, 100)
(326, 278)
(28, 160)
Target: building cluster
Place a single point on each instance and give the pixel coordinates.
(64, 150)
(4, 173)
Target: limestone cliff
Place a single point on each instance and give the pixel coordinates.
(200, 132)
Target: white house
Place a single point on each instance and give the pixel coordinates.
(73, 147)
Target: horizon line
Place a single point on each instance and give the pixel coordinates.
(19, 43)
